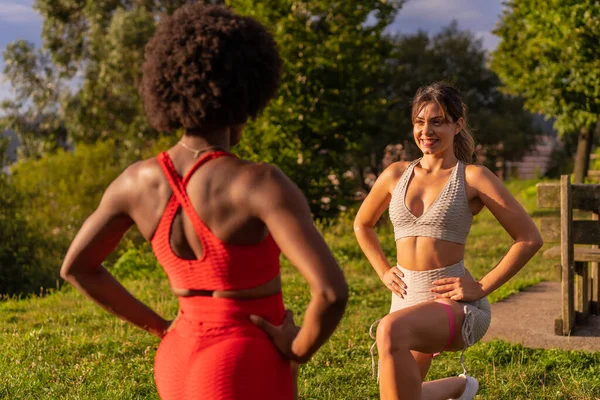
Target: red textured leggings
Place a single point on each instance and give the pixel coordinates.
(214, 352)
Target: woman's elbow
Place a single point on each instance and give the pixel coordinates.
(537, 241)
(68, 270)
(66, 273)
(534, 242)
(356, 226)
(360, 227)
(335, 295)
(537, 244)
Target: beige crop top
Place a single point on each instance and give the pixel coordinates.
(448, 218)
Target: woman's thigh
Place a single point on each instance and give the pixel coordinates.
(424, 328)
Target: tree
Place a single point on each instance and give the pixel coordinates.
(334, 56)
(334, 62)
(82, 85)
(501, 127)
(34, 111)
(100, 46)
(550, 56)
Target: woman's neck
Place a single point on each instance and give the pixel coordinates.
(220, 138)
(436, 162)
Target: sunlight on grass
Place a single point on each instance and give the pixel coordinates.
(64, 347)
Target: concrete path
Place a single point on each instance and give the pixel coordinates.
(528, 318)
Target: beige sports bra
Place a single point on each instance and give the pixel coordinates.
(448, 218)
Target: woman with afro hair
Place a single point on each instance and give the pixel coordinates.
(216, 223)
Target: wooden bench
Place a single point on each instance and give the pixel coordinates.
(580, 284)
(594, 174)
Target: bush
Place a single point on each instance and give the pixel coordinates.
(52, 196)
(60, 190)
(56, 193)
(22, 269)
(137, 262)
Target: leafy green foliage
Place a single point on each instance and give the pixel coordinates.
(345, 92)
(108, 105)
(328, 104)
(82, 85)
(34, 112)
(500, 126)
(550, 56)
(22, 267)
(60, 190)
(137, 262)
(45, 202)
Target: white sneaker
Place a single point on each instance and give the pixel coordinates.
(471, 388)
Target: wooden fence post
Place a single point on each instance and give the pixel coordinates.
(566, 255)
(595, 278)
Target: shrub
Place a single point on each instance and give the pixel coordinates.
(137, 262)
(56, 193)
(22, 270)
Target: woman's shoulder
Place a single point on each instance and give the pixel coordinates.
(476, 171)
(250, 177)
(395, 170)
(143, 172)
(263, 187)
(254, 172)
(476, 175)
(390, 176)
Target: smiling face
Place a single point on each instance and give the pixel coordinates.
(433, 133)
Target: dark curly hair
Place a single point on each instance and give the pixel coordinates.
(206, 66)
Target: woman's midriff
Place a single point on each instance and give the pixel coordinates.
(265, 290)
(424, 253)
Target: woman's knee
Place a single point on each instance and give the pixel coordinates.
(393, 334)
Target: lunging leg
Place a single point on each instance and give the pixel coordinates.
(423, 328)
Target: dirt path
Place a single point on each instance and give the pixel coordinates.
(528, 318)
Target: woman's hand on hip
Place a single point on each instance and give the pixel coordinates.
(464, 288)
(392, 279)
(168, 326)
(282, 335)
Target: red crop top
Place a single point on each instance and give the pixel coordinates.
(223, 266)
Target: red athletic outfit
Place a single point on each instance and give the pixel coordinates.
(214, 352)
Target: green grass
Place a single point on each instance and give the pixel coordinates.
(62, 346)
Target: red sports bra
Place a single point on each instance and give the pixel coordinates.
(222, 266)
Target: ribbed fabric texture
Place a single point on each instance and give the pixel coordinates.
(478, 314)
(223, 266)
(214, 352)
(448, 218)
(418, 285)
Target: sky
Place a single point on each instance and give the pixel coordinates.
(18, 20)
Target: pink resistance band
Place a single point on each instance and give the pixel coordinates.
(452, 326)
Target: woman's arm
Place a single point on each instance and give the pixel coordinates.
(282, 206)
(369, 213)
(515, 220)
(96, 239)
